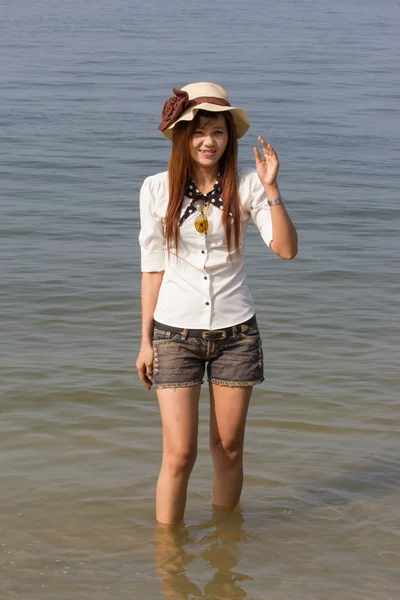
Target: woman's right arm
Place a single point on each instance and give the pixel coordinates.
(151, 283)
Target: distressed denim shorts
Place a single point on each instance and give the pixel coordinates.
(233, 355)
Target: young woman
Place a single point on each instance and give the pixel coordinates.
(196, 307)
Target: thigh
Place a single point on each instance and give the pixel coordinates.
(179, 409)
(228, 412)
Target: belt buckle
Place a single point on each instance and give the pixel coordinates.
(209, 335)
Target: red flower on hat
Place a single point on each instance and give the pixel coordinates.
(173, 108)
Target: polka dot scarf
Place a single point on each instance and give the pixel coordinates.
(213, 197)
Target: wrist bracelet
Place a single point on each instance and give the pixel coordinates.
(275, 202)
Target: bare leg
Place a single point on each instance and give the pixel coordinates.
(179, 409)
(228, 411)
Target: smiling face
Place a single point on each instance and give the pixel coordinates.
(209, 141)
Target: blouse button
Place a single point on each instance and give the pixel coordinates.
(203, 251)
(207, 303)
(205, 277)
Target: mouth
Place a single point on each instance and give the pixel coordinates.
(208, 153)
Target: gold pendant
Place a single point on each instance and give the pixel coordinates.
(201, 223)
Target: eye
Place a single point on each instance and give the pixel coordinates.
(198, 132)
(219, 132)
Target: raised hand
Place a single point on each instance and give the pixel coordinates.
(267, 168)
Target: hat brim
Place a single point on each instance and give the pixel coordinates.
(239, 116)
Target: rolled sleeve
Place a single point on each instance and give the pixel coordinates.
(151, 237)
(260, 211)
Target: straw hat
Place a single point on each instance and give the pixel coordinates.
(195, 96)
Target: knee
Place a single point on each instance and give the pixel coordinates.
(180, 461)
(230, 451)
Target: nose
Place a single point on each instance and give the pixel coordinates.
(209, 140)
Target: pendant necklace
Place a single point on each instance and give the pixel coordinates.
(201, 222)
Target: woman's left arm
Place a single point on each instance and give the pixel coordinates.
(284, 242)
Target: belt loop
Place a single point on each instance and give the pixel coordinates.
(184, 334)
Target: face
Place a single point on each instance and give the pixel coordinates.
(208, 143)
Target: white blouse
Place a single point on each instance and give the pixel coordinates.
(203, 287)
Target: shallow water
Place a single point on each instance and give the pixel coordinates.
(82, 87)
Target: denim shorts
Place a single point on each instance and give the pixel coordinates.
(180, 356)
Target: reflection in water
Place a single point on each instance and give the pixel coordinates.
(223, 546)
(172, 558)
(222, 554)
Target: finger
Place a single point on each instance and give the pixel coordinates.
(140, 368)
(257, 156)
(267, 148)
(142, 373)
(144, 379)
(147, 384)
(269, 151)
(149, 371)
(263, 143)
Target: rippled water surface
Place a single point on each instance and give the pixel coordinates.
(81, 93)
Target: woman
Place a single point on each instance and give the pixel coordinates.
(196, 307)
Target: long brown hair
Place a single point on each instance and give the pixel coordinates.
(180, 170)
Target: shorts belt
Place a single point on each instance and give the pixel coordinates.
(209, 334)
